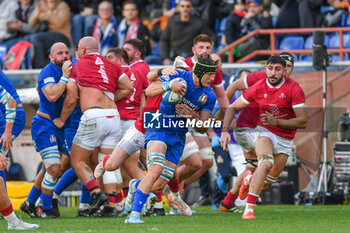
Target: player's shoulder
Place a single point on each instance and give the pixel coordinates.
(48, 71)
(292, 83)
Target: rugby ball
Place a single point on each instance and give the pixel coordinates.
(172, 97)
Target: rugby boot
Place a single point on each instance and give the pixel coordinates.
(244, 189)
(229, 208)
(97, 200)
(183, 207)
(134, 218)
(48, 214)
(83, 213)
(55, 209)
(249, 215)
(149, 205)
(29, 208)
(22, 226)
(158, 212)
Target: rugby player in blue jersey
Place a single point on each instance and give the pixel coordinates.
(49, 140)
(165, 144)
(12, 122)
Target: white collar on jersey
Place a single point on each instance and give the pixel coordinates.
(193, 61)
(94, 53)
(136, 62)
(277, 87)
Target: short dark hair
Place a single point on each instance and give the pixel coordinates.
(121, 52)
(130, 2)
(202, 38)
(139, 45)
(276, 60)
(241, 72)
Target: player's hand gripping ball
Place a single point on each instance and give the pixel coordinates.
(172, 97)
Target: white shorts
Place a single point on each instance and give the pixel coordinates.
(195, 133)
(280, 145)
(132, 141)
(245, 137)
(125, 125)
(98, 128)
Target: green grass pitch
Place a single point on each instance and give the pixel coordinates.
(272, 219)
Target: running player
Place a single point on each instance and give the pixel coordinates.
(280, 100)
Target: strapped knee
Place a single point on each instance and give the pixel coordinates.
(167, 173)
(206, 153)
(190, 148)
(252, 163)
(109, 177)
(270, 179)
(156, 158)
(50, 156)
(265, 157)
(49, 182)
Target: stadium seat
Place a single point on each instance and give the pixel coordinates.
(333, 42)
(222, 26)
(292, 42)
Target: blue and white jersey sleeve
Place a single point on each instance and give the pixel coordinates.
(5, 83)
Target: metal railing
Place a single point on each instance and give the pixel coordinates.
(273, 32)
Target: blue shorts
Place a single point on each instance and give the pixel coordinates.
(45, 134)
(175, 142)
(69, 134)
(18, 126)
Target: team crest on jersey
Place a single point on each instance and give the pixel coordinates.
(265, 95)
(282, 95)
(203, 98)
(99, 61)
(52, 138)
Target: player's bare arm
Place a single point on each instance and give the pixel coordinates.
(124, 88)
(6, 137)
(155, 88)
(54, 91)
(298, 122)
(70, 102)
(153, 75)
(229, 117)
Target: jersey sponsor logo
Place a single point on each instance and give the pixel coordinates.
(282, 96)
(49, 80)
(203, 98)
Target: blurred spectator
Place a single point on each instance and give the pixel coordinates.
(57, 14)
(233, 29)
(255, 18)
(85, 14)
(204, 9)
(105, 29)
(288, 16)
(182, 28)
(335, 17)
(20, 26)
(7, 13)
(131, 26)
(309, 11)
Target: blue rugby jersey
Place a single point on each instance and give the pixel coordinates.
(50, 74)
(197, 98)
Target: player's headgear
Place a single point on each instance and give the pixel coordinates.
(204, 65)
(287, 56)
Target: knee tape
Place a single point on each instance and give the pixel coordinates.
(270, 179)
(167, 173)
(265, 157)
(190, 148)
(100, 156)
(156, 158)
(252, 163)
(119, 176)
(50, 156)
(153, 142)
(109, 177)
(49, 182)
(206, 153)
